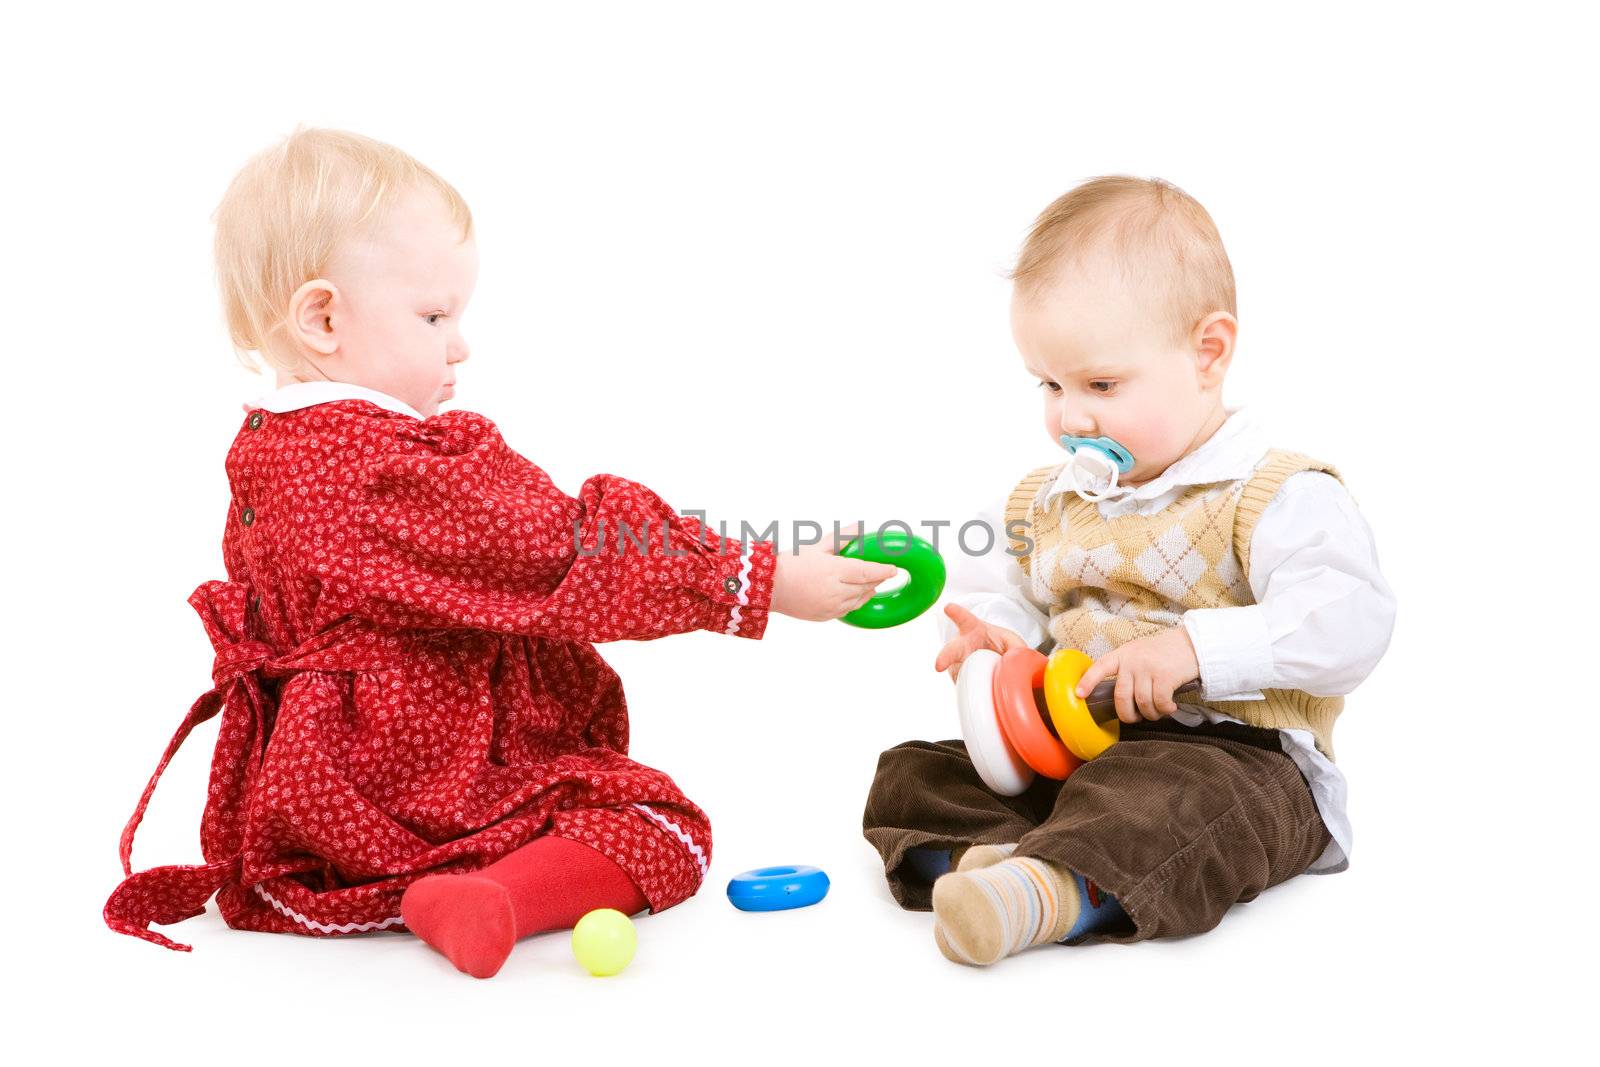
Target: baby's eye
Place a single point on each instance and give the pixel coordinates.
(435, 315)
(1104, 388)
(1050, 387)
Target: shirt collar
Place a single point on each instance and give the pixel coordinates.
(1231, 453)
(299, 395)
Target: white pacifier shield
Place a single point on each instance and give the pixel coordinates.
(997, 762)
(1094, 474)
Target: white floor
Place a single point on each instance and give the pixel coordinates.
(1318, 969)
(1408, 952)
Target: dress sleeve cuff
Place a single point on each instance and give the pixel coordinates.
(744, 593)
(1234, 651)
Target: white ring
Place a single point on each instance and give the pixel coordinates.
(998, 764)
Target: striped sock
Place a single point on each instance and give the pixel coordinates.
(983, 856)
(986, 913)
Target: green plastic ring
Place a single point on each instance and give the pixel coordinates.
(918, 558)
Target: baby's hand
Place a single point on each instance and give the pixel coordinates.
(973, 634)
(1147, 671)
(816, 585)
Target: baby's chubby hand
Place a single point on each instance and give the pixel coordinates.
(1147, 671)
(815, 584)
(972, 634)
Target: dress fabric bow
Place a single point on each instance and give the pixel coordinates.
(170, 894)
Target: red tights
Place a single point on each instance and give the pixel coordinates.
(548, 884)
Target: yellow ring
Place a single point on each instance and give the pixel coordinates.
(1084, 737)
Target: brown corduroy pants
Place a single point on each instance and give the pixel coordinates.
(1177, 822)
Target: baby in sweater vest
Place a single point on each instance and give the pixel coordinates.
(1171, 545)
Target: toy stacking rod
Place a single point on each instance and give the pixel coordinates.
(1008, 736)
(1087, 726)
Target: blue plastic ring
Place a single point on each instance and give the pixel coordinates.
(777, 888)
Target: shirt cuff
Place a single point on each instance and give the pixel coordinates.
(1234, 651)
(746, 589)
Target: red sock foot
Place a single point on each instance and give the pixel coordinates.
(466, 916)
(548, 884)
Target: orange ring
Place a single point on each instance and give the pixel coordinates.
(1021, 672)
(1078, 730)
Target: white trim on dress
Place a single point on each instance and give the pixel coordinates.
(745, 548)
(323, 928)
(677, 831)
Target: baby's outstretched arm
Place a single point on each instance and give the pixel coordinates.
(455, 530)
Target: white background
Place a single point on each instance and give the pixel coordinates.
(750, 255)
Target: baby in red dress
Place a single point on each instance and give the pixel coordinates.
(416, 728)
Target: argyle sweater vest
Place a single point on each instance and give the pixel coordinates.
(1109, 581)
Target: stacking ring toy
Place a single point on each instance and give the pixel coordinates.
(1010, 737)
(999, 765)
(777, 888)
(1086, 736)
(1015, 705)
(918, 558)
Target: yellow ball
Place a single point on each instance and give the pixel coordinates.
(603, 941)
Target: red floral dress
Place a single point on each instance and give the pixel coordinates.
(405, 672)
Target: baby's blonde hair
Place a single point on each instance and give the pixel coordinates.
(286, 212)
(1160, 237)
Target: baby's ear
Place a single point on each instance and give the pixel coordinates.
(1214, 338)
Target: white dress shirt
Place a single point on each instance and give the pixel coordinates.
(1321, 621)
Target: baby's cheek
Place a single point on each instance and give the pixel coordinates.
(1148, 440)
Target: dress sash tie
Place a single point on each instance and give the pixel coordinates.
(165, 895)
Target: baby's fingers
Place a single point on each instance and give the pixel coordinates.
(954, 651)
(1123, 694)
(965, 620)
(1098, 671)
(860, 598)
(863, 572)
(1144, 697)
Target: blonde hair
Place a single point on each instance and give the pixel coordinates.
(286, 212)
(1159, 235)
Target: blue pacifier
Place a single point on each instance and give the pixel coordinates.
(1096, 462)
(1119, 455)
